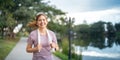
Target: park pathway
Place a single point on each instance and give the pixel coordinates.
(19, 52)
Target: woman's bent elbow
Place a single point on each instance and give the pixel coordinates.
(27, 50)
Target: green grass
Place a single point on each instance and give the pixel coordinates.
(65, 57)
(6, 46)
(61, 55)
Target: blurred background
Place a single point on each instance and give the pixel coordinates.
(85, 29)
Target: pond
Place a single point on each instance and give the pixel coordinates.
(108, 50)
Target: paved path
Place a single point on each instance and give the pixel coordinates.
(19, 52)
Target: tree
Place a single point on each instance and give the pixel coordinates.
(110, 30)
(24, 11)
(97, 34)
(97, 29)
(117, 27)
(23, 15)
(2, 25)
(83, 30)
(6, 4)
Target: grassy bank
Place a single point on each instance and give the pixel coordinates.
(61, 55)
(65, 57)
(6, 46)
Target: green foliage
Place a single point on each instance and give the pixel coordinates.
(65, 46)
(110, 30)
(61, 55)
(83, 30)
(82, 43)
(118, 34)
(57, 27)
(2, 22)
(26, 9)
(117, 26)
(7, 20)
(23, 15)
(76, 57)
(14, 12)
(97, 29)
(10, 19)
(6, 4)
(6, 46)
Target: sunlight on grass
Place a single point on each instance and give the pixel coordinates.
(6, 46)
(61, 55)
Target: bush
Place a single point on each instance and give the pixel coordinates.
(65, 46)
(61, 55)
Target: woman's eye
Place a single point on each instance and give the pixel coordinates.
(43, 19)
(39, 20)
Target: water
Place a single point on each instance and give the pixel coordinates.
(91, 52)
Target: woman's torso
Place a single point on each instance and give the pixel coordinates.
(45, 51)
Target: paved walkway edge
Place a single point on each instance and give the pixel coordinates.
(19, 52)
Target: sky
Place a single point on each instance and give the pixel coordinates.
(90, 10)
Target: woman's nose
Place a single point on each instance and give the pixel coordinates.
(42, 21)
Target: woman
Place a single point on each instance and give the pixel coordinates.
(41, 40)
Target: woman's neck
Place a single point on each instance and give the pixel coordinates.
(43, 31)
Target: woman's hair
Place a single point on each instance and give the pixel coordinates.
(33, 23)
(40, 14)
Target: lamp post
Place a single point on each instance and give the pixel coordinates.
(70, 32)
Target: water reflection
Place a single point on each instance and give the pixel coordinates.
(105, 48)
(113, 52)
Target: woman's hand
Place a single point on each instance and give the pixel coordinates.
(38, 48)
(54, 45)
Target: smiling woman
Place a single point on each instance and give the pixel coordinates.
(43, 40)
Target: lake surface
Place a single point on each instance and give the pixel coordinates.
(91, 52)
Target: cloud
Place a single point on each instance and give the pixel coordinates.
(110, 15)
(85, 5)
(90, 10)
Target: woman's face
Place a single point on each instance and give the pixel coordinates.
(42, 22)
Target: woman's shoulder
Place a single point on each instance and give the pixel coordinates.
(33, 32)
(51, 32)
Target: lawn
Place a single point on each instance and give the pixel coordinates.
(65, 57)
(6, 45)
(61, 55)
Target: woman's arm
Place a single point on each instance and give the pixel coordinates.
(55, 45)
(29, 48)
